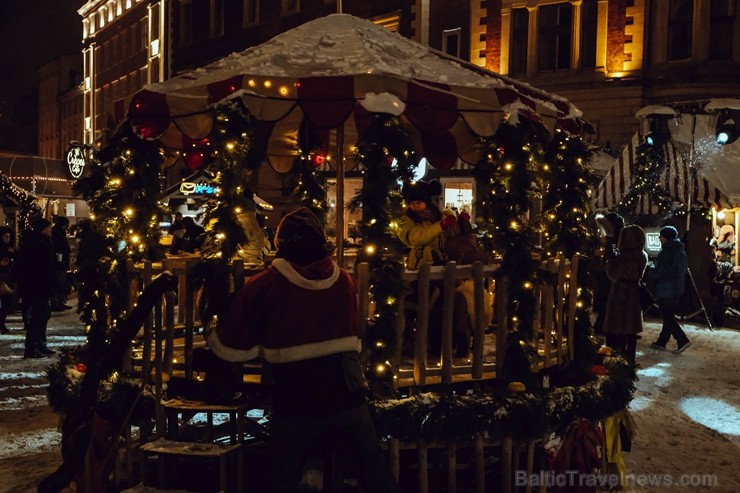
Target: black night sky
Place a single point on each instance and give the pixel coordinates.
(32, 33)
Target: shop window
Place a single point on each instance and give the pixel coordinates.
(519, 41)
(679, 29)
(458, 195)
(554, 31)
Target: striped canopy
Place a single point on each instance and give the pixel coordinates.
(676, 179)
(335, 72)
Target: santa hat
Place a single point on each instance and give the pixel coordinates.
(302, 223)
(300, 238)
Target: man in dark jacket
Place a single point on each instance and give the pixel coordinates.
(37, 283)
(670, 271)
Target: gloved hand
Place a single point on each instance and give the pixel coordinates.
(448, 221)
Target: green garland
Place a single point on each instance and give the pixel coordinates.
(234, 158)
(123, 192)
(310, 189)
(566, 205)
(115, 395)
(381, 204)
(496, 413)
(649, 164)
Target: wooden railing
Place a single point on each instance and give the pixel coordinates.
(166, 343)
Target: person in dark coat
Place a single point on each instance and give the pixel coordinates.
(669, 271)
(7, 256)
(625, 267)
(62, 254)
(37, 283)
(300, 315)
(609, 227)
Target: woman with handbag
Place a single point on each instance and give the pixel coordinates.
(623, 320)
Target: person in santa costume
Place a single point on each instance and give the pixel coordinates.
(300, 316)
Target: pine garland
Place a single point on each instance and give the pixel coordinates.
(310, 189)
(381, 204)
(650, 162)
(566, 203)
(496, 412)
(234, 156)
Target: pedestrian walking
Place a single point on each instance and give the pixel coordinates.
(625, 268)
(669, 272)
(300, 315)
(37, 283)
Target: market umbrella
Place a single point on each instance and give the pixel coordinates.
(335, 72)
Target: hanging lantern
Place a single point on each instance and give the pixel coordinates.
(318, 159)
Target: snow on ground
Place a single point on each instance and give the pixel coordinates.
(687, 409)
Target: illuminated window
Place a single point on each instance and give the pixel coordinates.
(554, 30)
(251, 12)
(451, 41)
(290, 7)
(458, 194)
(679, 29)
(217, 18)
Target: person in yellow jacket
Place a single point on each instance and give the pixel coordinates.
(420, 227)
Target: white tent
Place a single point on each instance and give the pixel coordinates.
(698, 171)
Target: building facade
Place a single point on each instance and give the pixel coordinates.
(60, 105)
(125, 46)
(613, 57)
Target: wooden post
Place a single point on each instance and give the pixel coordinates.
(394, 457)
(423, 473)
(422, 326)
(479, 327)
(452, 467)
(480, 464)
(502, 321)
(448, 309)
(507, 445)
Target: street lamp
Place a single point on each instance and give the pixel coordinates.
(657, 117)
(727, 129)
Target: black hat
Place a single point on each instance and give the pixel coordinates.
(669, 233)
(39, 224)
(422, 191)
(61, 220)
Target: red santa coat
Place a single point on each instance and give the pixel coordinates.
(303, 320)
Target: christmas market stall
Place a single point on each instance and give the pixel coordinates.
(345, 91)
(679, 168)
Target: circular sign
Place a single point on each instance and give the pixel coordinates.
(76, 161)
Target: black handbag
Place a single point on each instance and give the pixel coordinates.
(646, 297)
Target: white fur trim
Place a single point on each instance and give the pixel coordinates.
(312, 350)
(229, 353)
(286, 269)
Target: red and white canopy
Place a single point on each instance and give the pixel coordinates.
(335, 72)
(675, 179)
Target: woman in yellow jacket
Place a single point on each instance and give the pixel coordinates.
(421, 226)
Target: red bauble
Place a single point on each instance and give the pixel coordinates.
(81, 367)
(318, 160)
(598, 370)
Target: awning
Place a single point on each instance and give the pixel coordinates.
(675, 179)
(336, 72)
